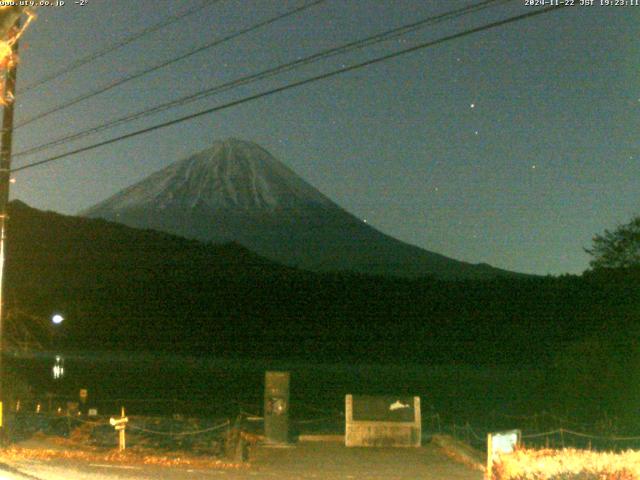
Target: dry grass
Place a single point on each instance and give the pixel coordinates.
(56, 448)
(568, 464)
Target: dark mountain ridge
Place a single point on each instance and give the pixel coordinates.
(122, 289)
(237, 191)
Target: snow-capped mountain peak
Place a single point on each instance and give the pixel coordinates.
(232, 174)
(237, 191)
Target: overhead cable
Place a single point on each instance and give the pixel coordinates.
(358, 44)
(290, 86)
(111, 48)
(121, 81)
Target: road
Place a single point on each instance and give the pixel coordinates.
(313, 460)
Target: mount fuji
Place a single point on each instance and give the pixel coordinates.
(236, 191)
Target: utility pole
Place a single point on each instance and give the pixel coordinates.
(6, 141)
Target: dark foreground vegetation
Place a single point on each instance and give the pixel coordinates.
(130, 290)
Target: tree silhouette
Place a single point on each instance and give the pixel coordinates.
(617, 249)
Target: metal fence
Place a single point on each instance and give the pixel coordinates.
(198, 424)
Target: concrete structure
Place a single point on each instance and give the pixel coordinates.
(382, 421)
(276, 407)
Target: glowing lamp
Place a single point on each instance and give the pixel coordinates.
(58, 368)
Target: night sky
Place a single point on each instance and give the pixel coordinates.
(513, 146)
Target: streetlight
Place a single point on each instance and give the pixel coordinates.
(58, 368)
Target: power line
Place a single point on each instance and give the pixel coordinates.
(122, 43)
(358, 44)
(299, 83)
(164, 64)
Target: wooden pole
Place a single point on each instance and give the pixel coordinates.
(489, 456)
(122, 444)
(5, 180)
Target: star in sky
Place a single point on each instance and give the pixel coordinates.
(496, 72)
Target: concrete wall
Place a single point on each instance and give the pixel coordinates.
(381, 433)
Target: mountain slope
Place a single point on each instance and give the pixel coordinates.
(128, 289)
(237, 191)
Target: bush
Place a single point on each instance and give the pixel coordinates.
(568, 464)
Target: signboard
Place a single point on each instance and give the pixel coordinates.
(386, 408)
(505, 442)
(501, 443)
(276, 407)
(382, 421)
(120, 425)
